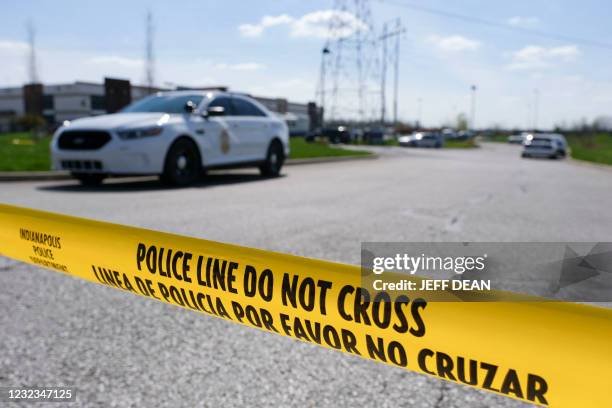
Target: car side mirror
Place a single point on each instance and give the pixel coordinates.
(190, 107)
(215, 111)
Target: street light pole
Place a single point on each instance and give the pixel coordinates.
(536, 97)
(324, 52)
(473, 114)
(383, 77)
(398, 29)
(419, 111)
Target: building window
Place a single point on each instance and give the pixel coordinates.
(98, 102)
(48, 102)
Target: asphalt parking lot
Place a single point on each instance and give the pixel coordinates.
(60, 330)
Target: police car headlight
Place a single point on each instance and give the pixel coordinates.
(140, 132)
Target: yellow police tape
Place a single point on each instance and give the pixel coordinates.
(547, 353)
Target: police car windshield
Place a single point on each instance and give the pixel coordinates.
(163, 103)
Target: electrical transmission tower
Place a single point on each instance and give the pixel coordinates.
(32, 64)
(350, 64)
(150, 59)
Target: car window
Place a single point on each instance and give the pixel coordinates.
(246, 108)
(225, 103)
(163, 103)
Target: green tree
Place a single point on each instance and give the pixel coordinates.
(32, 123)
(462, 122)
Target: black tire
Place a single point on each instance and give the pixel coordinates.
(89, 179)
(183, 165)
(274, 160)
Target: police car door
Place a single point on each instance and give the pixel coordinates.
(252, 125)
(223, 134)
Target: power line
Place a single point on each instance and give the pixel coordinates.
(476, 20)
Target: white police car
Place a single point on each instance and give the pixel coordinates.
(176, 135)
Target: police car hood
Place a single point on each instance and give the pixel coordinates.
(118, 120)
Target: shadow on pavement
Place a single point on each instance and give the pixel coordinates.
(149, 183)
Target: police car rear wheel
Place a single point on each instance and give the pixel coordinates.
(274, 160)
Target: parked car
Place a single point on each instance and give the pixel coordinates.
(356, 134)
(374, 136)
(422, 139)
(449, 134)
(337, 134)
(518, 139)
(464, 135)
(175, 135)
(515, 139)
(551, 145)
(311, 135)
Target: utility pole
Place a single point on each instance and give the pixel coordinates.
(150, 59)
(473, 114)
(396, 32)
(321, 91)
(529, 119)
(398, 29)
(536, 97)
(383, 76)
(419, 111)
(32, 65)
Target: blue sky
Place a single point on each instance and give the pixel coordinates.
(272, 47)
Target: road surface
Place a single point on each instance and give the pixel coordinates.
(124, 350)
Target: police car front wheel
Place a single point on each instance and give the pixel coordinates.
(183, 165)
(89, 179)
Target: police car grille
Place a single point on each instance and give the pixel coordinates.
(83, 139)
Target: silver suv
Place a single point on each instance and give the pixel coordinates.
(551, 145)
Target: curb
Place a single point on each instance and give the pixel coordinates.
(33, 175)
(330, 159)
(64, 175)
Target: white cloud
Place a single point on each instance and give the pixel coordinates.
(453, 43)
(255, 30)
(523, 21)
(250, 30)
(9, 45)
(116, 60)
(315, 24)
(10, 48)
(243, 66)
(537, 57)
